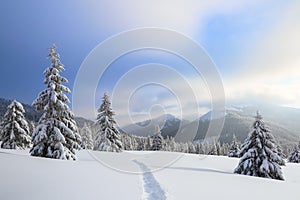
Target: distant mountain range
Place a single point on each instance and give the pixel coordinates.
(283, 122)
(168, 124)
(32, 115)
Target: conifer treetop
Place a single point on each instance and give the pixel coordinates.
(108, 136)
(15, 131)
(259, 156)
(56, 135)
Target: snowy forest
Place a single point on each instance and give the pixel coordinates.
(57, 136)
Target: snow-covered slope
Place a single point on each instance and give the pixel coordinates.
(239, 122)
(98, 175)
(169, 125)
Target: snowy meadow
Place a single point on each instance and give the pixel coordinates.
(146, 100)
(191, 177)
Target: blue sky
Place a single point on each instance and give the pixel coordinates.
(254, 44)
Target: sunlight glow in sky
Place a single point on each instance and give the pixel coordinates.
(255, 45)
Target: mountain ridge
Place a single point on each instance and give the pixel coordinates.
(238, 121)
(32, 115)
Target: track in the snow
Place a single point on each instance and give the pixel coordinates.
(152, 189)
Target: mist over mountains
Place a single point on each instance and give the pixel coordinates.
(168, 124)
(282, 122)
(238, 121)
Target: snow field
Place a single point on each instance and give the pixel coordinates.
(96, 175)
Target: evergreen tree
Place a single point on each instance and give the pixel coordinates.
(258, 154)
(126, 141)
(56, 135)
(218, 148)
(225, 149)
(199, 148)
(15, 132)
(294, 155)
(134, 143)
(158, 140)
(140, 144)
(191, 147)
(148, 143)
(86, 137)
(167, 144)
(280, 161)
(31, 126)
(215, 148)
(234, 148)
(108, 136)
(172, 144)
(183, 147)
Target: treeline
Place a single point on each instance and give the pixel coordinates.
(57, 136)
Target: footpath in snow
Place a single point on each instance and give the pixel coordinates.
(152, 189)
(101, 177)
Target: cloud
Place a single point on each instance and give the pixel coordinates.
(266, 72)
(179, 15)
(270, 68)
(158, 86)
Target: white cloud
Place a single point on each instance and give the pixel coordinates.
(270, 69)
(155, 85)
(180, 15)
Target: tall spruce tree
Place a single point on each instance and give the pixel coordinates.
(294, 155)
(282, 156)
(56, 135)
(215, 148)
(234, 148)
(15, 132)
(148, 143)
(108, 136)
(259, 155)
(86, 137)
(158, 140)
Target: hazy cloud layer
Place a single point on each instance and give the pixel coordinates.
(265, 70)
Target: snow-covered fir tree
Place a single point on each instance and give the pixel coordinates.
(15, 132)
(225, 149)
(191, 148)
(294, 155)
(134, 143)
(218, 148)
(158, 140)
(31, 126)
(140, 145)
(56, 135)
(86, 137)
(259, 154)
(148, 143)
(234, 148)
(282, 156)
(126, 141)
(200, 148)
(172, 144)
(108, 136)
(169, 144)
(215, 148)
